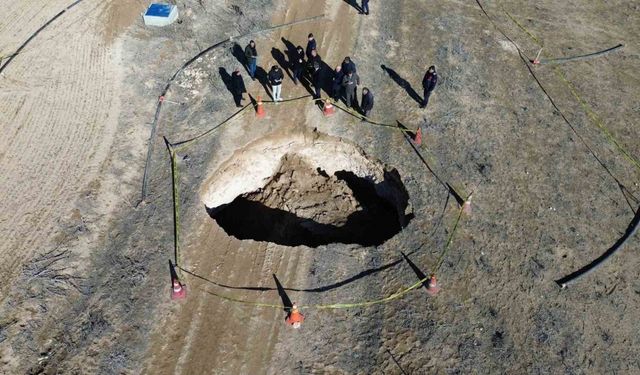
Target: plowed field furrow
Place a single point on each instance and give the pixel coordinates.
(59, 130)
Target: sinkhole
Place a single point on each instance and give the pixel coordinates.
(307, 189)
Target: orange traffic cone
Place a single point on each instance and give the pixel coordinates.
(260, 113)
(178, 291)
(418, 138)
(466, 206)
(328, 109)
(432, 286)
(295, 317)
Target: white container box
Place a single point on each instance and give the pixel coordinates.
(160, 14)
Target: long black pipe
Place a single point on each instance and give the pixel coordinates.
(570, 279)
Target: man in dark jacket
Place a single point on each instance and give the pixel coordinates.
(311, 45)
(298, 64)
(315, 65)
(237, 87)
(429, 84)
(350, 83)
(336, 84)
(348, 66)
(275, 78)
(251, 54)
(367, 102)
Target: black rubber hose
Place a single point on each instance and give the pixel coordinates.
(570, 279)
(581, 57)
(154, 124)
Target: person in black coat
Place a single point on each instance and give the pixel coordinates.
(336, 84)
(348, 66)
(298, 64)
(251, 54)
(275, 78)
(367, 102)
(429, 83)
(237, 87)
(315, 66)
(311, 45)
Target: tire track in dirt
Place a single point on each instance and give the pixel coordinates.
(22, 18)
(60, 129)
(217, 336)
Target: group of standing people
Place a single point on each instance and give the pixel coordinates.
(307, 64)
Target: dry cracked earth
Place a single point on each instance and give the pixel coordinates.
(298, 207)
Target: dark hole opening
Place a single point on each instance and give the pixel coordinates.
(379, 213)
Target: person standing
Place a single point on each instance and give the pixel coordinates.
(237, 87)
(251, 54)
(429, 83)
(315, 64)
(298, 64)
(311, 45)
(348, 65)
(350, 83)
(365, 7)
(275, 78)
(367, 102)
(336, 86)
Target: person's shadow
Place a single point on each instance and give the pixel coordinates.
(280, 59)
(226, 79)
(402, 83)
(354, 4)
(238, 53)
(263, 78)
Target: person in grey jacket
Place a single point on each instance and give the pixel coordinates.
(350, 83)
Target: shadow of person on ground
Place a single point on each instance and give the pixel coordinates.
(280, 60)
(226, 78)
(418, 272)
(263, 78)
(238, 53)
(286, 301)
(402, 83)
(354, 4)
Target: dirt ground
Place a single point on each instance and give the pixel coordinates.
(86, 283)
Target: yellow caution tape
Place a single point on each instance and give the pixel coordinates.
(583, 103)
(176, 199)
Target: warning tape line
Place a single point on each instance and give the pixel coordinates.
(173, 77)
(336, 306)
(583, 103)
(185, 143)
(178, 261)
(563, 282)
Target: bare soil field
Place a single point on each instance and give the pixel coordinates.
(327, 212)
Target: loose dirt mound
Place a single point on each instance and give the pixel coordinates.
(303, 205)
